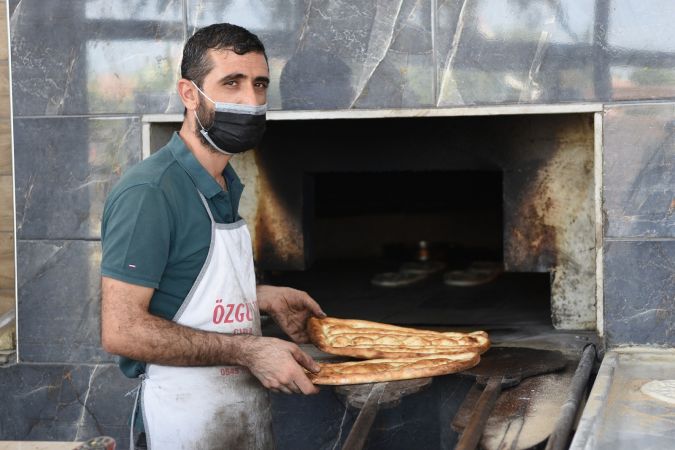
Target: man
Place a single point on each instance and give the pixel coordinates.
(180, 304)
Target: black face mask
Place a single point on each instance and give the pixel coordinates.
(235, 128)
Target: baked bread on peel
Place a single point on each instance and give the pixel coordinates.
(379, 370)
(391, 353)
(367, 340)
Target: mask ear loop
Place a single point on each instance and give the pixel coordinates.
(204, 132)
(196, 116)
(205, 135)
(200, 123)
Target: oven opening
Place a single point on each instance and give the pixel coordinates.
(418, 248)
(456, 223)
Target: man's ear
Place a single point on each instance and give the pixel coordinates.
(188, 94)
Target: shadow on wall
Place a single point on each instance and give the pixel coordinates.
(315, 79)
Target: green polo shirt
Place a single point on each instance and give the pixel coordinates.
(155, 231)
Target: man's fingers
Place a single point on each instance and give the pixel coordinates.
(285, 390)
(305, 360)
(301, 338)
(312, 305)
(304, 385)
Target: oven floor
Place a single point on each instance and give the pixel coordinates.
(514, 308)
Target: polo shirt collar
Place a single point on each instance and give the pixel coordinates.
(201, 178)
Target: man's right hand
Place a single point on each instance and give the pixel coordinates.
(278, 364)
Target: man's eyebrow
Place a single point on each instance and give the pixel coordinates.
(232, 76)
(241, 76)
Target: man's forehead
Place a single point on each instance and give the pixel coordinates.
(229, 56)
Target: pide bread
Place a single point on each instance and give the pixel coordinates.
(367, 340)
(379, 370)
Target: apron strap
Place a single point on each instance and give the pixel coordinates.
(133, 414)
(206, 205)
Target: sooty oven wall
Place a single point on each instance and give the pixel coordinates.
(547, 171)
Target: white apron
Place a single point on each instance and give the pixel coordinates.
(212, 407)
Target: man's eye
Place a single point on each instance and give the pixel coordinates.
(261, 85)
(231, 83)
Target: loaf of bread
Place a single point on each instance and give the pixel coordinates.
(367, 340)
(379, 370)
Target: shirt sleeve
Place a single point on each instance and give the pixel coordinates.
(136, 236)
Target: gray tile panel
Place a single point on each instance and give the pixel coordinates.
(492, 52)
(54, 402)
(59, 302)
(639, 170)
(639, 292)
(65, 168)
(95, 56)
(337, 55)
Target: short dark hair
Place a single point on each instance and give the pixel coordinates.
(196, 63)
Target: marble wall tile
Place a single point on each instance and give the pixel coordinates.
(59, 288)
(64, 402)
(65, 171)
(95, 56)
(74, 402)
(336, 55)
(639, 170)
(639, 292)
(419, 420)
(492, 51)
(640, 48)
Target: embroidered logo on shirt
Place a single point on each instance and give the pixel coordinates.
(132, 266)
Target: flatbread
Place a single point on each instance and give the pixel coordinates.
(396, 279)
(367, 340)
(479, 272)
(380, 370)
(663, 390)
(422, 267)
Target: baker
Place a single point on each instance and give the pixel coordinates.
(180, 305)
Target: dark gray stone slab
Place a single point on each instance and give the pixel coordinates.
(80, 57)
(75, 402)
(639, 292)
(542, 52)
(65, 168)
(421, 420)
(513, 52)
(59, 302)
(336, 55)
(639, 170)
(46, 402)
